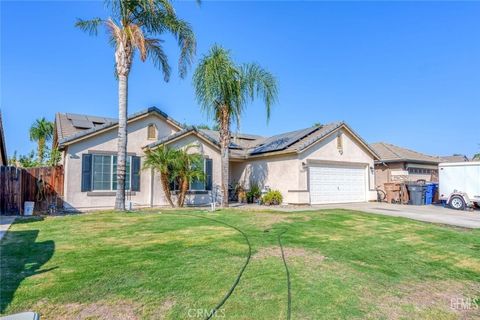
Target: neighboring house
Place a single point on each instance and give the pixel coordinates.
(323, 164)
(3, 148)
(401, 164)
(454, 158)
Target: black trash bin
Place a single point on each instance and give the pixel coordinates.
(417, 194)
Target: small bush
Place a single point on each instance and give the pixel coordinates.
(272, 197)
(254, 193)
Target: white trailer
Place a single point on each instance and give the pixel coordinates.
(459, 184)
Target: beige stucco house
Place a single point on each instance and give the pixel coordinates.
(322, 164)
(398, 164)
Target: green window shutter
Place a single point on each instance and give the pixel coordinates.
(86, 172)
(208, 174)
(135, 173)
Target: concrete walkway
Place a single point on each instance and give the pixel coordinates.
(430, 213)
(5, 223)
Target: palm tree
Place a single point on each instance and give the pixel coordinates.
(187, 167)
(41, 132)
(162, 160)
(132, 28)
(179, 165)
(223, 89)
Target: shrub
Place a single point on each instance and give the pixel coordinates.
(272, 197)
(254, 193)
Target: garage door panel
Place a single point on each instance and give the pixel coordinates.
(337, 184)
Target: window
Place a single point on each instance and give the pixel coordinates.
(197, 185)
(152, 132)
(104, 172)
(99, 172)
(127, 176)
(419, 171)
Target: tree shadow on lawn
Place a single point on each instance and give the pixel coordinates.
(20, 258)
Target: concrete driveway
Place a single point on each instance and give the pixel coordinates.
(429, 213)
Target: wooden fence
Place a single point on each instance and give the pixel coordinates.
(42, 185)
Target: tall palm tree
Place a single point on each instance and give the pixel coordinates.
(162, 160)
(41, 132)
(223, 89)
(132, 28)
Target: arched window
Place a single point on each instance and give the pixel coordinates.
(152, 132)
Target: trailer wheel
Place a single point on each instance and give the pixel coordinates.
(457, 203)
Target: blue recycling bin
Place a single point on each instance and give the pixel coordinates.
(430, 192)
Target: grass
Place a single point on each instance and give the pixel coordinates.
(343, 264)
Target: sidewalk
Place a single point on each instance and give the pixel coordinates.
(5, 223)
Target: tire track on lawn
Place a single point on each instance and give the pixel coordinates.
(237, 280)
(289, 287)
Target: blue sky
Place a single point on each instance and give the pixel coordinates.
(407, 73)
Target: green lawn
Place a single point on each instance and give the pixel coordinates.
(342, 264)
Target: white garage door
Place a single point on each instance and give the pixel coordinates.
(337, 184)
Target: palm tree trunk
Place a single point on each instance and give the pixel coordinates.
(122, 141)
(183, 192)
(224, 152)
(166, 188)
(123, 61)
(41, 150)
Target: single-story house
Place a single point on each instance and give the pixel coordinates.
(401, 164)
(3, 148)
(315, 165)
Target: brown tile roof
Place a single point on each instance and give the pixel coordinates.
(69, 124)
(454, 158)
(392, 153)
(74, 126)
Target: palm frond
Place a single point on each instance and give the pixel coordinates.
(258, 82)
(158, 56)
(138, 40)
(41, 129)
(165, 20)
(163, 5)
(161, 159)
(89, 26)
(217, 85)
(186, 41)
(133, 21)
(116, 34)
